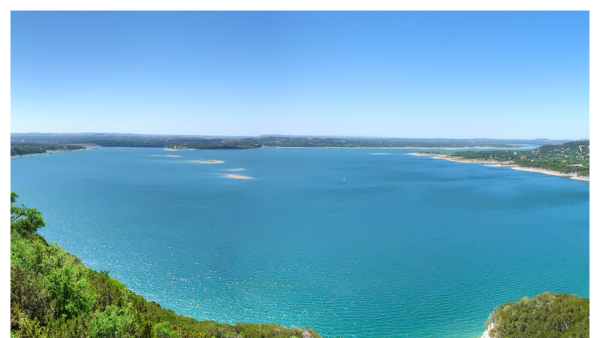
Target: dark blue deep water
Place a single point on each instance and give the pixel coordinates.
(408, 247)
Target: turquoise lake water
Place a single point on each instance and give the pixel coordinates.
(407, 247)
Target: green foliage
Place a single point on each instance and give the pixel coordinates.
(24, 220)
(20, 149)
(54, 295)
(113, 322)
(110, 291)
(543, 316)
(29, 296)
(68, 286)
(164, 330)
(570, 157)
(28, 328)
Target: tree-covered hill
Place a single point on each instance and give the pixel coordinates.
(19, 149)
(543, 316)
(54, 295)
(239, 142)
(570, 157)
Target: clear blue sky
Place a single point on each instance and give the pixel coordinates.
(391, 74)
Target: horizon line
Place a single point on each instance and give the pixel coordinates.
(290, 135)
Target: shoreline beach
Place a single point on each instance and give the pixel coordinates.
(458, 159)
(553, 173)
(492, 163)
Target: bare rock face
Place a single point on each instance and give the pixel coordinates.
(486, 334)
(302, 331)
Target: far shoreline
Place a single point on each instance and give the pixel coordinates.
(380, 148)
(87, 147)
(397, 148)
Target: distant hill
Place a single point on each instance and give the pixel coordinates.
(569, 157)
(21, 149)
(247, 142)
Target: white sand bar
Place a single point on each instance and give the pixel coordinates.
(208, 161)
(239, 177)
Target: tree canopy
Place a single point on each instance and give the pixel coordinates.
(544, 316)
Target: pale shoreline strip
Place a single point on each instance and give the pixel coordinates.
(553, 173)
(236, 169)
(492, 163)
(447, 158)
(167, 155)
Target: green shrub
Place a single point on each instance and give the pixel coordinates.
(113, 322)
(545, 315)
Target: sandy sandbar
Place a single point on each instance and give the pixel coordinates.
(455, 159)
(208, 161)
(236, 169)
(167, 155)
(422, 154)
(240, 177)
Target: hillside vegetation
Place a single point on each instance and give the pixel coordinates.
(570, 157)
(54, 295)
(202, 142)
(20, 149)
(543, 316)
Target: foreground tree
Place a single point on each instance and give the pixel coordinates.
(543, 316)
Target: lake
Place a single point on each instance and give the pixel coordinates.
(344, 241)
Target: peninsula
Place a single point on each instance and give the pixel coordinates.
(545, 315)
(571, 159)
(22, 149)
